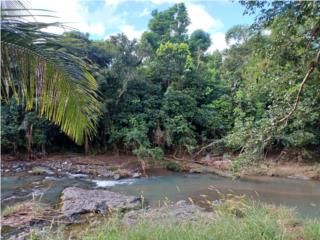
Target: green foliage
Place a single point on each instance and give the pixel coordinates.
(11, 127)
(14, 121)
(169, 25)
(311, 230)
(42, 77)
(199, 41)
(268, 80)
(173, 166)
(238, 34)
(166, 94)
(153, 153)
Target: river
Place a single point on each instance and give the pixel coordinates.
(304, 195)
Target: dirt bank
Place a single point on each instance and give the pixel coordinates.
(122, 166)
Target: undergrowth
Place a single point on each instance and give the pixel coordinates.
(236, 219)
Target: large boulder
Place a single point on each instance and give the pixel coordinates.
(77, 201)
(170, 214)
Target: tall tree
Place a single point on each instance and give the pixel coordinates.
(169, 25)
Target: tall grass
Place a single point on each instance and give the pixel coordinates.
(263, 222)
(256, 223)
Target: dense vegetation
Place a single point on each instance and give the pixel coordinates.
(165, 94)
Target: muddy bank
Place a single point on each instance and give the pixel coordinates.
(303, 171)
(128, 166)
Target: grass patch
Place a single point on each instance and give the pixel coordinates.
(256, 222)
(311, 231)
(113, 168)
(12, 209)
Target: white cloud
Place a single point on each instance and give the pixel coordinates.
(201, 19)
(130, 32)
(145, 12)
(113, 2)
(157, 2)
(218, 42)
(97, 29)
(166, 1)
(67, 10)
(75, 14)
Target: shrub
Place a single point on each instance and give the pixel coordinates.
(173, 166)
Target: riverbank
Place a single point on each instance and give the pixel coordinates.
(234, 218)
(128, 166)
(266, 223)
(101, 166)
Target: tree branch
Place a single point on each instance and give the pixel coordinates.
(311, 68)
(205, 147)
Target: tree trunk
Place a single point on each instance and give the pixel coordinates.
(115, 149)
(143, 166)
(86, 145)
(43, 149)
(15, 148)
(29, 140)
(103, 134)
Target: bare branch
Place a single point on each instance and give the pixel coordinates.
(206, 147)
(311, 68)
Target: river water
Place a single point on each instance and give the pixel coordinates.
(300, 194)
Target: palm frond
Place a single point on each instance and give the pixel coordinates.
(40, 73)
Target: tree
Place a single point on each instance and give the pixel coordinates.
(299, 18)
(41, 76)
(270, 72)
(169, 25)
(199, 41)
(238, 34)
(172, 62)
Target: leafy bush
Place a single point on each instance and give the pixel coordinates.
(153, 153)
(173, 166)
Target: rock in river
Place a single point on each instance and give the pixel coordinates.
(77, 201)
(170, 214)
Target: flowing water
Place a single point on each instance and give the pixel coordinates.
(300, 194)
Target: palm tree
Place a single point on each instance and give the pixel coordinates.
(39, 72)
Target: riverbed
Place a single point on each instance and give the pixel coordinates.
(304, 195)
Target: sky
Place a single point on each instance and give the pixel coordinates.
(102, 18)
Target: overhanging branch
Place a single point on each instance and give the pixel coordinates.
(311, 68)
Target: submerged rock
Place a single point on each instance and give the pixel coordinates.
(41, 170)
(77, 201)
(77, 175)
(116, 177)
(136, 175)
(301, 177)
(174, 213)
(121, 173)
(19, 167)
